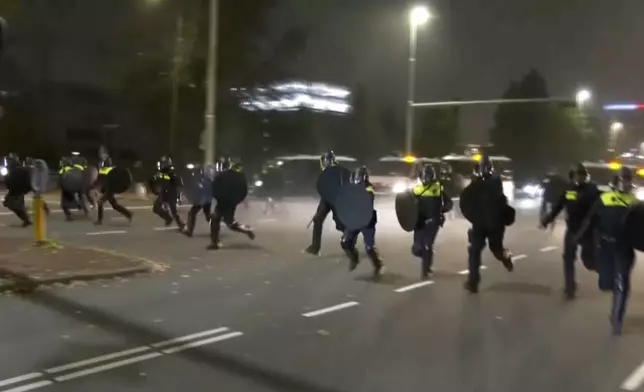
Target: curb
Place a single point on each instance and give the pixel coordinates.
(22, 282)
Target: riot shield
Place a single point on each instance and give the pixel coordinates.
(407, 210)
(634, 226)
(73, 180)
(18, 180)
(468, 203)
(354, 206)
(330, 181)
(229, 188)
(198, 189)
(509, 215)
(90, 175)
(118, 180)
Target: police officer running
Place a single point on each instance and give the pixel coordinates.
(577, 199)
(14, 200)
(486, 190)
(433, 204)
(194, 210)
(68, 198)
(349, 238)
(616, 254)
(105, 167)
(327, 160)
(169, 184)
(226, 212)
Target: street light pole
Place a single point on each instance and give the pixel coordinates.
(211, 86)
(411, 90)
(418, 16)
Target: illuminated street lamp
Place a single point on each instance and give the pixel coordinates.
(616, 127)
(418, 16)
(583, 96)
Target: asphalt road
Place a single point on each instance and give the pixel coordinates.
(261, 316)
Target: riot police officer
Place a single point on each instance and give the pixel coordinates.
(348, 243)
(68, 198)
(14, 200)
(327, 160)
(168, 192)
(433, 204)
(225, 211)
(105, 167)
(194, 210)
(485, 196)
(616, 253)
(577, 199)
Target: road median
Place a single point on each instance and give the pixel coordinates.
(24, 266)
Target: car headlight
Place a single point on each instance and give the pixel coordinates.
(190, 166)
(399, 187)
(259, 183)
(531, 189)
(639, 193)
(3, 171)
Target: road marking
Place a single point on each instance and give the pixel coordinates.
(414, 286)
(634, 380)
(331, 309)
(107, 232)
(102, 358)
(29, 387)
(467, 271)
(107, 366)
(189, 337)
(267, 220)
(18, 379)
(518, 257)
(202, 342)
(165, 228)
(548, 249)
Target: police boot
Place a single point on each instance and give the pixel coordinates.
(190, 227)
(312, 250)
(506, 259)
(617, 313)
(354, 258)
(471, 286)
(378, 265)
(243, 229)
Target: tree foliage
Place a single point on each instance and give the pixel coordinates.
(538, 135)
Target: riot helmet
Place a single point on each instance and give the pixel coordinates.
(29, 162)
(485, 167)
(581, 175)
(427, 174)
(165, 162)
(223, 164)
(327, 159)
(624, 180)
(106, 162)
(360, 176)
(64, 162)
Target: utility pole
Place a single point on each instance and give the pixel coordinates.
(210, 122)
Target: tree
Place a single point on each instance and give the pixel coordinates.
(437, 133)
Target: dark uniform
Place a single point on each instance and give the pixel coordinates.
(489, 226)
(81, 163)
(577, 199)
(616, 253)
(226, 213)
(349, 238)
(168, 186)
(433, 204)
(326, 160)
(13, 200)
(553, 186)
(67, 199)
(105, 167)
(194, 210)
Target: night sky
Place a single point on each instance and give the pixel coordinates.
(470, 50)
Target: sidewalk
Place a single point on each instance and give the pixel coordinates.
(23, 266)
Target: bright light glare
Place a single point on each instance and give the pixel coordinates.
(583, 96)
(616, 126)
(419, 15)
(3, 171)
(614, 165)
(531, 190)
(639, 193)
(190, 166)
(399, 188)
(75, 153)
(508, 189)
(259, 183)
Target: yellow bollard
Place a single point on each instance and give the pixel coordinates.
(40, 225)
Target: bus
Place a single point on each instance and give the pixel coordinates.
(391, 175)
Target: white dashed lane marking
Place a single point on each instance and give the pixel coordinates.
(548, 249)
(634, 380)
(107, 232)
(414, 286)
(467, 271)
(331, 309)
